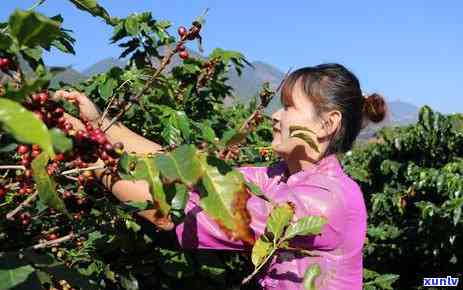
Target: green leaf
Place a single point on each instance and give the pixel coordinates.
(182, 164)
(133, 206)
(61, 143)
(33, 29)
(8, 148)
(106, 89)
(211, 266)
(146, 169)
(294, 128)
(310, 275)
(254, 188)
(308, 140)
(24, 126)
(279, 219)
(176, 264)
(183, 124)
(224, 197)
(233, 137)
(170, 132)
(129, 282)
(11, 278)
(5, 41)
(45, 185)
(207, 133)
(131, 24)
(180, 198)
(69, 107)
(260, 251)
(33, 53)
(308, 225)
(92, 7)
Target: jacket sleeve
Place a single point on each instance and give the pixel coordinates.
(198, 231)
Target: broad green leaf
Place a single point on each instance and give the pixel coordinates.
(385, 281)
(260, 251)
(132, 25)
(233, 137)
(207, 133)
(24, 126)
(70, 107)
(182, 164)
(33, 53)
(5, 41)
(211, 266)
(183, 124)
(45, 184)
(254, 188)
(180, 198)
(11, 278)
(294, 128)
(8, 148)
(129, 282)
(92, 7)
(308, 140)
(279, 219)
(146, 169)
(176, 264)
(311, 273)
(126, 165)
(61, 143)
(107, 88)
(32, 29)
(308, 225)
(224, 197)
(133, 206)
(170, 132)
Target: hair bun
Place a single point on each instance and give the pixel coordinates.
(374, 108)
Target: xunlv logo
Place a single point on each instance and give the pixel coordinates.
(449, 281)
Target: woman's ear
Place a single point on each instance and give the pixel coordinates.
(331, 122)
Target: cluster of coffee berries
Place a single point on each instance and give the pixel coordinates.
(186, 34)
(182, 52)
(264, 152)
(208, 71)
(3, 191)
(62, 285)
(91, 145)
(47, 110)
(5, 64)
(230, 153)
(25, 218)
(26, 184)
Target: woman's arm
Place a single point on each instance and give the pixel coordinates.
(124, 190)
(116, 133)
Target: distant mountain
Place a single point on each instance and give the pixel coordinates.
(248, 85)
(103, 66)
(69, 75)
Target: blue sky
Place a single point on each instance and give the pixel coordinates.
(407, 50)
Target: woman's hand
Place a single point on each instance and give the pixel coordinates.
(88, 110)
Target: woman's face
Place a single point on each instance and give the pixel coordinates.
(302, 112)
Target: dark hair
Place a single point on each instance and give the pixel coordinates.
(333, 87)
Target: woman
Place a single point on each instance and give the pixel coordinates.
(327, 99)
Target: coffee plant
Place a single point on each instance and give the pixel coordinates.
(412, 179)
(62, 229)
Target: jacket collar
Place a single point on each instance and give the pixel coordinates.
(328, 165)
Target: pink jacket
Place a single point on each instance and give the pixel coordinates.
(321, 190)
